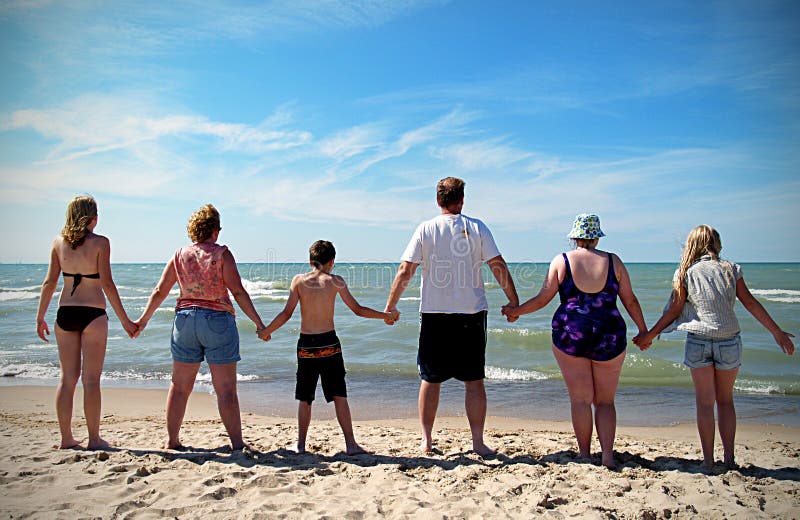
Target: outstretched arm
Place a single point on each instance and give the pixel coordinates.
(629, 300)
(546, 293)
(499, 269)
(48, 288)
(404, 275)
(230, 275)
(360, 310)
(283, 316)
(677, 301)
(754, 307)
(110, 288)
(159, 294)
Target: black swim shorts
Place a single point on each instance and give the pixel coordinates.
(319, 356)
(452, 345)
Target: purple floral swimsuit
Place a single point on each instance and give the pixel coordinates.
(589, 324)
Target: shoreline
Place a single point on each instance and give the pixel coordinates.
(149, 403)
(396, 398)
(536, 472)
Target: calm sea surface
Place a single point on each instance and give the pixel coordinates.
(523, 379)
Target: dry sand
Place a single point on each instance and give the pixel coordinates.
(534, 476)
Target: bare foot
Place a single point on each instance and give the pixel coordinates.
(731, 464)
(708, 465)
(177, 446)
(99, 444)
(483, 450)
(68, 444)
(355, 449)
(426, 447)
(300, 449)
(608, 461)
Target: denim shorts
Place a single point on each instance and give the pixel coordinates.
(199, 334)
(724, 354)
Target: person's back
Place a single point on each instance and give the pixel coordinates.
(317, 292)
(587, 323)
(76, 264)
(199, 272)
(451, 250)
(589, 268)
(711, 290)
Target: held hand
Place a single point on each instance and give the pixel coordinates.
(42, 329)
(131, 328)
(262, 334)
(785, 342)
(643, 341)
(394, 315)
(140, 325)
(509, 311)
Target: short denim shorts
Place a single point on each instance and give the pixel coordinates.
(199, 333)
(724, 354)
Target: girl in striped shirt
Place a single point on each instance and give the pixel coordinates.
(705, 289)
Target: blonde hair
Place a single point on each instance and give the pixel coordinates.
(80, 212)
(203, 223)
(702, 240)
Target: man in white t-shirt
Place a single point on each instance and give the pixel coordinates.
(452, 249)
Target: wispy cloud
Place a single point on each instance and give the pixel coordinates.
(99, 123)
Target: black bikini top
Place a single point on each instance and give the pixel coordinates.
(78, 277)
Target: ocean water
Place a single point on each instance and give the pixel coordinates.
(523, 379)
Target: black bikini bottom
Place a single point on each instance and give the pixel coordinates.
(75, 318)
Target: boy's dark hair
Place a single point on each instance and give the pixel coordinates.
(321, 252)
(449, 191)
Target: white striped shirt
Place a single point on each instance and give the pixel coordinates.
(711, 292)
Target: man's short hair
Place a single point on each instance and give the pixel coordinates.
(449, 191)
(321, 252)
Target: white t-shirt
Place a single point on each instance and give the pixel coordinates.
(451, 249)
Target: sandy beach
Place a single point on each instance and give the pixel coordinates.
(534, 475)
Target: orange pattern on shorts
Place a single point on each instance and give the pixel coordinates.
(328, 351)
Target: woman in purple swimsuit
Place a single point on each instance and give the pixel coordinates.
(81, 322)
(589, 335)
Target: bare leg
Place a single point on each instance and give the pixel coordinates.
(577, 374)
(346, 422)
(223, 377)
(428, 404)
(475, 405)
(69, 355)
(726, 412)
(705, 395)
(183, 376)
(303, 420)
(93, 346)
(606, 378)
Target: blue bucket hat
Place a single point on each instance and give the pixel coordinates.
(587, 227)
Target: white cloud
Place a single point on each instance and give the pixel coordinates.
(98, 123)
(481, 155)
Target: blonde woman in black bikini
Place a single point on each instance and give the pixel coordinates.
(81, 322)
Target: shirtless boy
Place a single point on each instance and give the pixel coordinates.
(319, 353)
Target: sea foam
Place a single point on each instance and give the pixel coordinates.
(778, 295)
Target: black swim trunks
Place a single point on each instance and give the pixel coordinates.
(452, 345)
(319, 356)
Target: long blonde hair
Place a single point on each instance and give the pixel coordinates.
(80, 212)
(702, 240)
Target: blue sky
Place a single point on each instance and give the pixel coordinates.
(335, 119)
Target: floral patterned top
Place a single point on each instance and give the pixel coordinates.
(199, 271)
